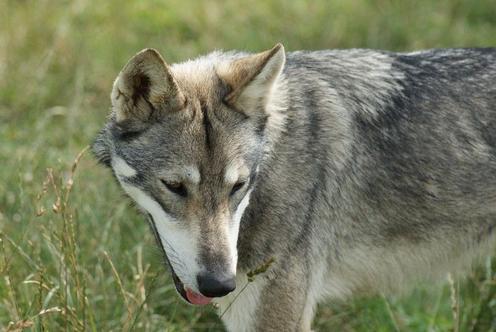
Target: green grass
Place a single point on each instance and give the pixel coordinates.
(88, 261)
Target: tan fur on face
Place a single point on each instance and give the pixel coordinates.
(236, 172)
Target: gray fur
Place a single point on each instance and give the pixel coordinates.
(370, 170)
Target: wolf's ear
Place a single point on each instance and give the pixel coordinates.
(145, 85)
(252, 78)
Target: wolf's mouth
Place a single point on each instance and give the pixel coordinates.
(186, 293)
(177, 282)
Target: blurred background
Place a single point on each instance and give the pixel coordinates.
(74, 254)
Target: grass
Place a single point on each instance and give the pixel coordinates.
(74, 255)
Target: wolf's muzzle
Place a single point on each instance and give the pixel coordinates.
(212, 285)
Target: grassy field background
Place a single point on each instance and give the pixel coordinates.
(74, 254)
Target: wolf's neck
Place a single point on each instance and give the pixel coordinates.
(277, 107)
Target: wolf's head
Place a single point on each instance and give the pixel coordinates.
(185, 142)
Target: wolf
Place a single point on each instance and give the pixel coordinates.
(340, 172)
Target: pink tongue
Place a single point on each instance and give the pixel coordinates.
(196, 298)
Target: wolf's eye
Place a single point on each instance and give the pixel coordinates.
(176, 187)
(237, 187)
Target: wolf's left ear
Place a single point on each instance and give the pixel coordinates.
(252, 78)
(144, 85)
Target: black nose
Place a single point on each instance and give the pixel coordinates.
(212, 285)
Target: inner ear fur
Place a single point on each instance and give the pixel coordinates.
(145, 86)
(251, 78)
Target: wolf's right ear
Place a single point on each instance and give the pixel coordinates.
(145, 85)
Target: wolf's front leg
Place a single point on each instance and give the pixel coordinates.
(273, 302)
